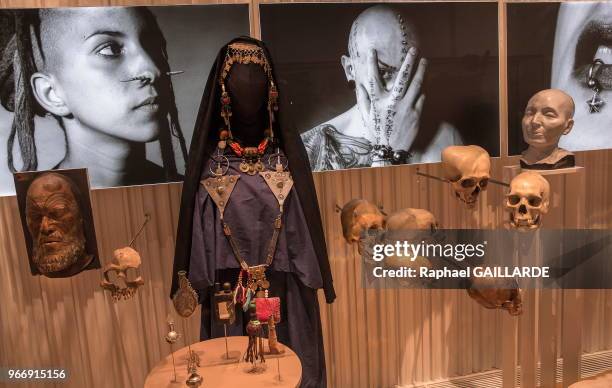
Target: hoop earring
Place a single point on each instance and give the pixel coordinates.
(595, 103)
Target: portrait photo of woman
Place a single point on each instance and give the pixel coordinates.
(94, 87)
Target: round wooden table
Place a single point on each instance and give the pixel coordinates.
(217, 371)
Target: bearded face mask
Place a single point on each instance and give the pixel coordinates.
(54, 220)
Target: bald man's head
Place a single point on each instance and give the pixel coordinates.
(391, 34)
(557, 97)
(548, 116)
(381, 27)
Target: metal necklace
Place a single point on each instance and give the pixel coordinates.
(220, 187)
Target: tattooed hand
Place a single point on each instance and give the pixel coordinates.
(395, 112)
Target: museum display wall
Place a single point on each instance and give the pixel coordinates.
(372, 337)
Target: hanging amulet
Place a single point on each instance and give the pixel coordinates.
(253, 286)
(244, 167)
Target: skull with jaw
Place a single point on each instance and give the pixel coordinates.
(359, 216)
(468, 170)
(527, 200)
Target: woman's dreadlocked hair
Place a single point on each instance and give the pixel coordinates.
(17, 66)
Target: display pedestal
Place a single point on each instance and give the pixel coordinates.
(281, 371)
(540, 323)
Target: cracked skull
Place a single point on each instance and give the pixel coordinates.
(527, 200)
(357, 217)
(468, 170)
(124, 259)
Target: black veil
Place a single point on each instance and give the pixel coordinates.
(204, 142)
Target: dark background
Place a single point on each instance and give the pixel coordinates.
(459, 40)
(531, 36)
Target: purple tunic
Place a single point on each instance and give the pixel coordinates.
(250, 213)
(294, 274)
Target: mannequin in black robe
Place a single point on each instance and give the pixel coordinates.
(300, 263)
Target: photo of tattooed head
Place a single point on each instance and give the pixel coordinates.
(373, 85)
(110, 89)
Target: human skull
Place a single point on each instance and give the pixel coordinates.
(124, 259)
(494, 293)
(468, 170)
(411, 219)
(527, 200)
(358, 216)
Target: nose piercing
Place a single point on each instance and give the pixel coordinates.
(595, 103)
(149, 77)
(141, 78)
(146, 77)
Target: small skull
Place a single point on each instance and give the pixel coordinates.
(408, 219)
(468, 170)
(496, 293)
(124, 259)
(359, 216)
(527, 200)
(411, 219)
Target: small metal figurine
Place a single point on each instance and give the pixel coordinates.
(193, 362)
(171, 337)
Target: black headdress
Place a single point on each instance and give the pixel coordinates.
(204, 142)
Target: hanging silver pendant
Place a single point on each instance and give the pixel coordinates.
(595, 103)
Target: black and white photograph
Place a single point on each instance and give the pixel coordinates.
(566, 46)
(371, 85)
(112, 89)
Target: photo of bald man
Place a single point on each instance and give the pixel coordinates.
(385, 84)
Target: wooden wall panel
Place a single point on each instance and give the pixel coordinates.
(431, 334)
(373, 338)
(71, 323)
